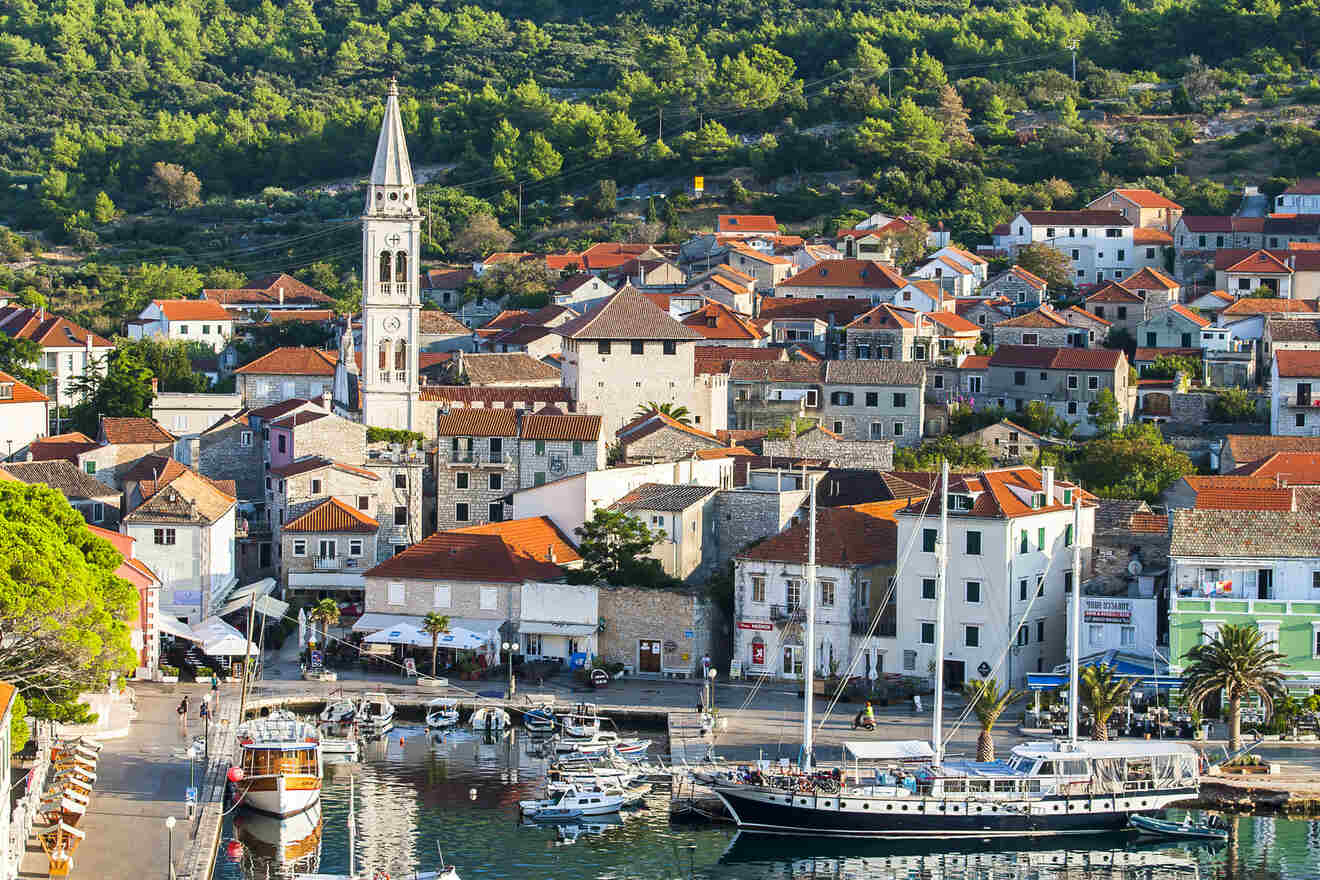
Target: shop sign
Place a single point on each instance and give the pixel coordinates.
(1107, 611)
(758, 625)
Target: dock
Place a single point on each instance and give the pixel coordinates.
(688, 743)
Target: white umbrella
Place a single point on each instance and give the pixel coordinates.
(459, 639)
(399, 633)
(302, 627)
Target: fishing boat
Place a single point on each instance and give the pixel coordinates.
(279, 763)
(575, 802)
(582, 722)
(1185, 830)
(540, 719)
(558, 781)
(1043, 788)
(375, 714)
(489, 718)
(340, 711)
(441, 713)
(603, 743)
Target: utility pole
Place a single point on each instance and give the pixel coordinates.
(1072, 46)
(247, 654)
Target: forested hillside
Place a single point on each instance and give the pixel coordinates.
(915, 101)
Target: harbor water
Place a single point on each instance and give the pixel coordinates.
(411, 792)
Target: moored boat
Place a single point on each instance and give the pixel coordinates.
(279, 764)
(442, 713)
(375, 714)
(489, 718)
(575, 802)
(340, 711)
(540, 719)
(1151, 826)
(582, 722)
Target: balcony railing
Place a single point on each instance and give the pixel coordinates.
(1304, 401)
(861, 624)
(782, 612)
(401, 376)
(328, 563)
(401, 288)
(471, 456)
(384, 288)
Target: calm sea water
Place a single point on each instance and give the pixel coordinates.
(411, 793)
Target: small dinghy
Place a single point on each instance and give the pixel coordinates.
(489, 718)
(442, 713)
(540, 720)
(1184, 830)
(339, 711)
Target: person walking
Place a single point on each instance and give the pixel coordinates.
(183, 714)
(215, 684)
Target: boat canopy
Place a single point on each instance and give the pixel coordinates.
(895, 750)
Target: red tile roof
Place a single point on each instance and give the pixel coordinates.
(333, 515)
(315, 316)
(717, 321)
(1076, 218)
(626, 315)
(265, 291)
(995, 495)
(1084, 313)
(975, 362)
(1112, 292)
(848, 273)
(1307, 186)
(644, 426)
(1042, 357)
(50, 331)
(1206, 482)
(610, 254)
(20, 392)
(1145, 235)
(539, 426)
(469, 396)
(494, 553)
(465, 422)
(952, 322)
(275, 410)
(446, 279)
(760, 256)
(1245, 499)
(1145, 198)
(841, 311)
(845, 536)
(884, 317)
(1264, 305)
(1149, 279)
(66, 446)
(732, 224)
(1298, 364)
(1247, 449)
(1042, 318)
(134, 430)
(192, 310)
(1287, 468)
(310, 463)
(290, 361)
(1257, 263)
(1180, 309)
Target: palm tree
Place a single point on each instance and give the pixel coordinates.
(326, 613)
(1239, 662)
(1103, 693)
(988, 703)
(676, 412)
(435, 623)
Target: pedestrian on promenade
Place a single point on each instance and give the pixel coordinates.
(916, 702)
(215, 683)
(183, 713)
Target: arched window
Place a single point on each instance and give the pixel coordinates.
(383, 360)
(401, 267)
(384, 266)
(401, 355)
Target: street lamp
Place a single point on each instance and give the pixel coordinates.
(710, 694)
(510, 648)
(169, 826)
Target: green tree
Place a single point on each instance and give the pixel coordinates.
(174, 186)
(1166, 365)
(435, 624)
(168, 361)
(1234, 405)
(1046, 262)
(997, 118)
(482, 235)
(988, 702)
(1104, 693)
(1103, 412)
(1236, 661)
(601, 200)
(614, 544)
(927, 456)
(63, 610)
(123, 392)
(1135, 462)
(738, 194)
(103, 209)
(17, 357)
(677, 412)
(1041, 418)
(325, 613)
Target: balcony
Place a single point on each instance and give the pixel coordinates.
(401, 376)
(782, 613)
(1300, 401)
(328, 563)
(473, 458)
(861, 624)
(401, 288)
(384, 287)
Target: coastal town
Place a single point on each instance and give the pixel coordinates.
(879, 468)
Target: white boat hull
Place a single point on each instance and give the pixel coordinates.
(279, 800)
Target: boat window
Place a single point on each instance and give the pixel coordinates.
(955, 786)
(1033, 786)
(1002, 785)
(1045, 768)
(975, 785)
(1074, 768)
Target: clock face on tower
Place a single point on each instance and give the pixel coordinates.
(391, 323)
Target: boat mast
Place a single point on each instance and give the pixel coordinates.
(352, 827)
(1074, 697)
(941, 562)
(809, 661)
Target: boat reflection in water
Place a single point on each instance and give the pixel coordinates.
(278, 848)
(1109, 857)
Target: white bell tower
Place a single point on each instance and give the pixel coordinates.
(391, 302)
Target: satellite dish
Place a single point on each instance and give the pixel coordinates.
(1134, 567)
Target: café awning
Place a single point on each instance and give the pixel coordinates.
(551, 628)
(175, 627)
(265, 605)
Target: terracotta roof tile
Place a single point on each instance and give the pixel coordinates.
(468, 395)
(1300, 468)
(275, 410)
(847, 273)
(883, 317)
(1043, 318)
(302, 417)
(841, 311)
(1145, 198)
(1113, 293)
(20, 392)
(1056, 358)
(1254, 305)
(479, 553)
(952, 322)
(717, 321)
(134, 430)
(1147, 236)
(644, 426)
(65, 446)
(313, 316)
(732, 224)
(1244, 499)
(1245, 534)
(332, 515)
(487, 369)
(192, 310)
(1179, 308)
(1076, 218)
(189, 498)
(573, 282)
(1149, 279)
(760, 256)
(63, 475)
(1209, 482)
(1298, 364)
(534, 538)
(1257, 263)
(537, 426)
(48, 330)
(1085, 314)
(446, 279)
(289, 361)
(723, 452)
(437, 321)
(845, 536)
(309, 463)
(975, 362)
(626, 315)
(1251, 449)
(467, 422)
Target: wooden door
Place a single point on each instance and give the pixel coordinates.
(648, 655)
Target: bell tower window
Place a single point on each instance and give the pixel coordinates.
(383, 359)
(401, 273)
(401, 355)
(385, 259)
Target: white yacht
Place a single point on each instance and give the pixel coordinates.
(442, 713)
(375, 714)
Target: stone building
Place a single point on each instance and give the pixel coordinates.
(1024, 290)
(1173, 327)
(505, 370)
(888, 332)
(820, 443)
(657, 633)
(231, 449)
(325, 551)
(1128, 532)
(765, 504)
(286, 373)
(658, 436)
(1119, 306)
(120, 444)
(1042, 326)
(97, 502)
(1009, 443)
(874, 400)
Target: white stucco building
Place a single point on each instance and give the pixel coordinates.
(185, 320)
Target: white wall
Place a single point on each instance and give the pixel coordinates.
(1107, 619)
(197, 411)
(20, 424)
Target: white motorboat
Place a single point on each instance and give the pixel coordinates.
(489, 718)
(278, 847)
(583, 722)
(540, 719)
(340, 749)
(560, 780)
(604, 743)
(280, 764)
(340, 711)
(375, 714)
(575, 802)
(442, 713)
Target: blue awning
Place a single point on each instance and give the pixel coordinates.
(1044, 681)
(1144, 671)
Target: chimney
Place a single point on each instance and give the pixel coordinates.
(281, 294)
(155, 384)
(195, 451)
(550, 552)
(1047, 479)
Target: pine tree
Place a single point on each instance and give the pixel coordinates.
(103, 210)
(953, 116)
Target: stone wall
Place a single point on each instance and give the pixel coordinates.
(746, 515)
(411, 472)
(666, 444)
(1115, 549)
(265, 389)
(333, 437)
(222, 456)
(555, 460)
(876, 455)
(1057, 337)
(633, 614)
(1013, 287)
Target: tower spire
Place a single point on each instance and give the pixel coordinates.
(392, 188)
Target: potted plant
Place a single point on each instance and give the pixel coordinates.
(169, 674)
